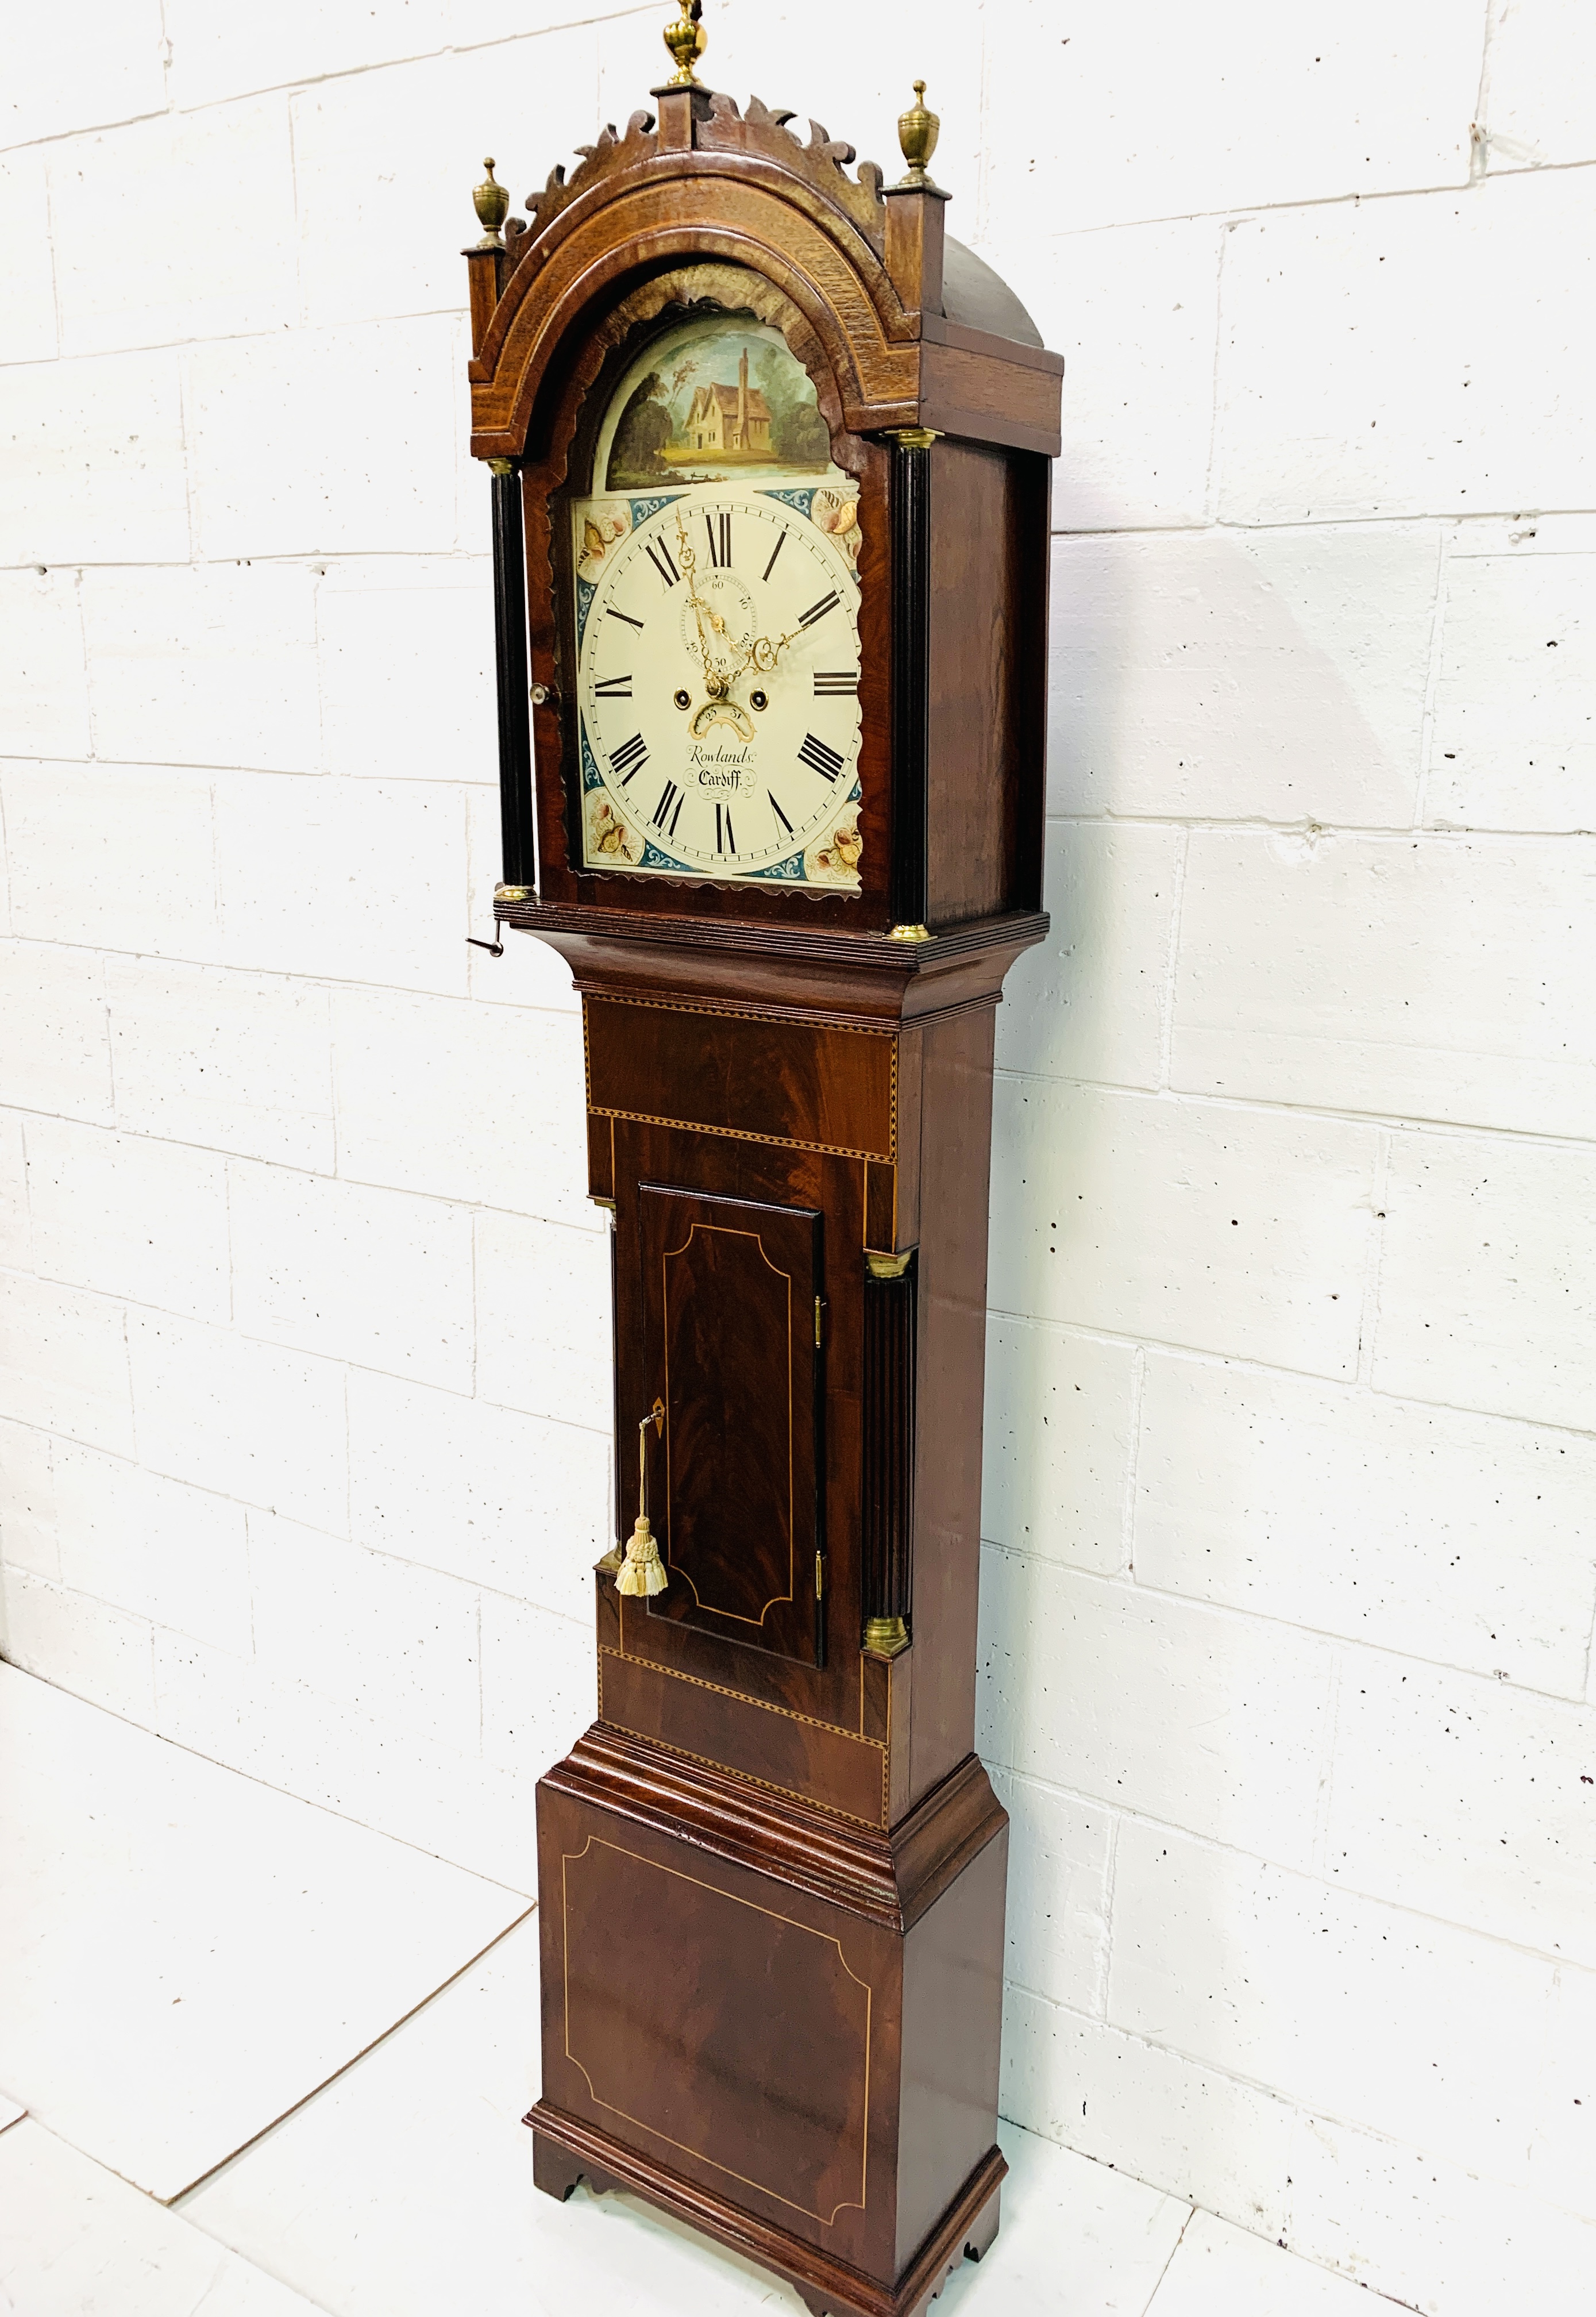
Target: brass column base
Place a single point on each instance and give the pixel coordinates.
(884, 1637)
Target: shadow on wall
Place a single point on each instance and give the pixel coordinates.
(1196, 676)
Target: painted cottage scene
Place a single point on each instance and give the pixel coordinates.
(730, 417)
(705, 401)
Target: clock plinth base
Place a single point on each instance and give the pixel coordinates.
(566, 2149)
(781, 2025)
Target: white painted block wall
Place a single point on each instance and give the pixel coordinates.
(1290, 1501)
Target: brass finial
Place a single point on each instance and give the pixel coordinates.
(917, 134)
(686, 39)
(492, 205)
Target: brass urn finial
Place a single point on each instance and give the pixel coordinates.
(917, 134)
(492, 205)
(686, 39)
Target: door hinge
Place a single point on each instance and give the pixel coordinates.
(819, 1321)
(819, 1576)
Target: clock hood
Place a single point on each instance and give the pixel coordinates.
(973, 294)
(916, 330)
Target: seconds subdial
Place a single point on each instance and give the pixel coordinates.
(717, 625)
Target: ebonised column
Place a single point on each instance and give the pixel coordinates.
(509, 634)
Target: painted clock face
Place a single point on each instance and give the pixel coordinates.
(717, 625)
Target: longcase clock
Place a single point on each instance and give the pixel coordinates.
(770, 461)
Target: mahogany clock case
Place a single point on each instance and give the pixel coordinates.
(772, 1873)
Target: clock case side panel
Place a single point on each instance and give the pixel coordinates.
(972, 642)
(570, 417)
(950, 1120)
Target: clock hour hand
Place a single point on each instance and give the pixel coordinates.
(762, 653)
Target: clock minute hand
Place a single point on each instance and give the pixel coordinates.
(714, 684)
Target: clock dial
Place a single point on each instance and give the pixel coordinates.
(718, 688)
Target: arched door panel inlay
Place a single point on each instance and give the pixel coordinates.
(731, 1290)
